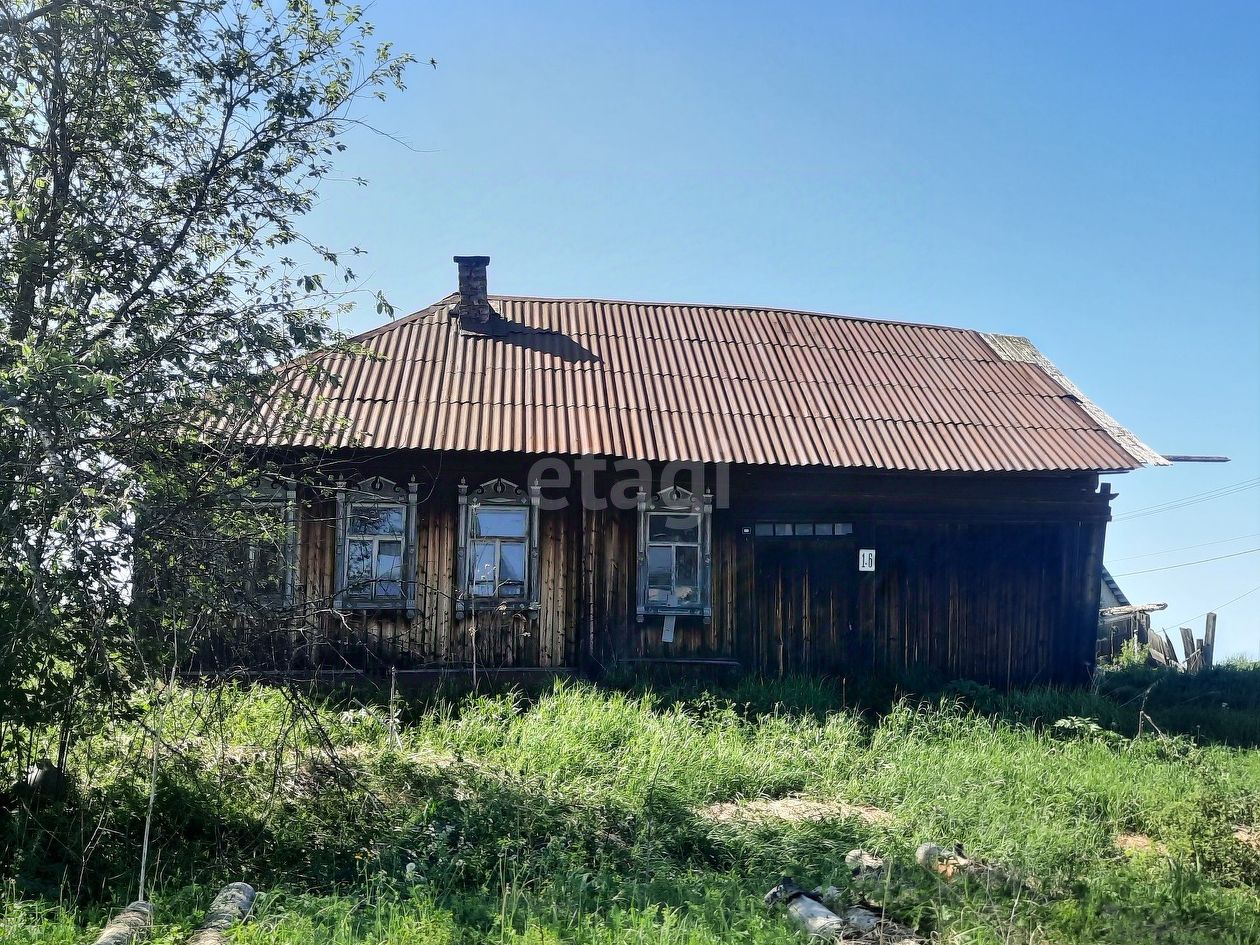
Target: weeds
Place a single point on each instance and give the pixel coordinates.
(585, 814)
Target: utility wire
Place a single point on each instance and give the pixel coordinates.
(1186, 564)
(1168, 551)
(1178, 623)
(1189, 500)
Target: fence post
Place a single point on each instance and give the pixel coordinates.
(1209, 641)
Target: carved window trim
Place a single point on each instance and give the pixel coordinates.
(682, 502)
(503, 494)
(376, 491)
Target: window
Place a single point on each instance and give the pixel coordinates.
(374, 549)
(376, 528)
(498, 550)
(673, 558)
(674, 555)
(802, 529)
(500, 541)
(269, 555)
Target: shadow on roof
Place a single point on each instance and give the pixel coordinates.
(542, 340)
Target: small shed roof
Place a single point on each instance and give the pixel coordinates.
(713, 383)
(1112, 595)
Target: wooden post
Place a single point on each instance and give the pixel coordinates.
(1169, 650)
(1209, 641)
(1187, 646)
(1081, 657)
(230, 906)
(129, 925)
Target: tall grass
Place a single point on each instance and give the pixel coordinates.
(580, 814)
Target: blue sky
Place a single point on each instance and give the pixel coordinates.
(1087, 174)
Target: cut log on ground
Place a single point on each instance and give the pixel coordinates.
(853, 925)
(230, 906)
(130, 925)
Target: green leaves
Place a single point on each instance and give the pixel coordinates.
(153, 158)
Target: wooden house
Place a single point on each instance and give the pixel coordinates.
(573, 484)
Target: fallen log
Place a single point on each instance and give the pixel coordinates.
(854, 924)
(1129, 609)
(130, 925)
(230, 906)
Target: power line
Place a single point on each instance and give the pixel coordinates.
(1186, 564)
(1168, 551)
(1188, 500)
(1177, 623)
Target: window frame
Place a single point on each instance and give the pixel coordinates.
(274, 493)
(497, 494)
(680, 502)
(381, 493)
(810, 528)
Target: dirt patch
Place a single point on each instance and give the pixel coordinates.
(1250, 836)
(792, 808)
(1138, 843)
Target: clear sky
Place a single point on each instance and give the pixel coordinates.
(1087, 174)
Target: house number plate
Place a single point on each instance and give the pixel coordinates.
(866, 559)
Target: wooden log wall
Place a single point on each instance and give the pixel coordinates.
(433, 637)
(992, 579)
(1001, 603)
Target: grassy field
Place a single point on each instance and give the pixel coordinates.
(660, 814)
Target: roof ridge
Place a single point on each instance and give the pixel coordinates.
(881, 393)
(447, 300)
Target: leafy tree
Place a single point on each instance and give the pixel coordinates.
(156, 157)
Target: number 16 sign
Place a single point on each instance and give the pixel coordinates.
(866, 559)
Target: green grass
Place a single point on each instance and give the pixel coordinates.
(576, 815)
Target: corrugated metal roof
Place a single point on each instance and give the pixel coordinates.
(656, 381)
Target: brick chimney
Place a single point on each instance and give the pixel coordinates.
(474, 308)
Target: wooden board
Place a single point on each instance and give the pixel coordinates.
(993, 578)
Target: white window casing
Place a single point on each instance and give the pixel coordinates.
(498, 559)
(376, 539)
(675, 554)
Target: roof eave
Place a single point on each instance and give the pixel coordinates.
(1019, 348)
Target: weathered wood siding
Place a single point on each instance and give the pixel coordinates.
(433, 636)
(992, 578)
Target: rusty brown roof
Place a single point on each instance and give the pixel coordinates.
(657, 381)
